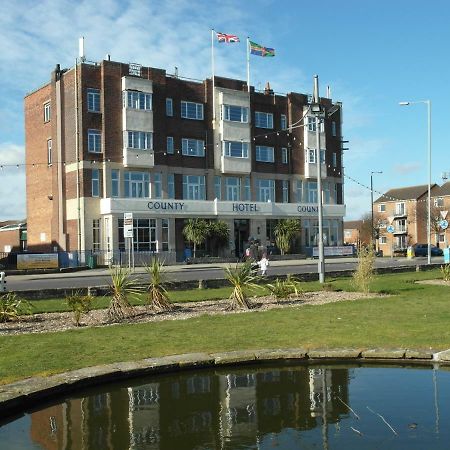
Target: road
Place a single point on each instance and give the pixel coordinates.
(101, 277)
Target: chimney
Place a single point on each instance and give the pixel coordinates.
(268, 90)
(81, 49)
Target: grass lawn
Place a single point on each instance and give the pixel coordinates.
(415, 316)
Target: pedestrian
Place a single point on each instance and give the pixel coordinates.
(263, 263)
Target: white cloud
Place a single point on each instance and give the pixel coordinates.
(407, 168)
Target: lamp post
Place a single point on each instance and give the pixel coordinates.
(428, 103)
(318, 111)
(371, 205)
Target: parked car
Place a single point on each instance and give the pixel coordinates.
(422, 250)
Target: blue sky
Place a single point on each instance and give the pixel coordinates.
(373, 54)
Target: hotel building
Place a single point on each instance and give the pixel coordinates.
(108, 138)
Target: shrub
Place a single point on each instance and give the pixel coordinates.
(445, 270)
(288, 288)
(243, 279)
(79, 304)
(122, 288)
(157, 296)
(363, 275)
(12, 306)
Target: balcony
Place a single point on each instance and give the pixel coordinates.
(231, 164)
(138, 158)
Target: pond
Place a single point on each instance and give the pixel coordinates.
(282, 406)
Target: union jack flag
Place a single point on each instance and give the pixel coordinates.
(228, 38)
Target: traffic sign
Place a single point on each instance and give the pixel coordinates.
(127, 225)
(443, 224)
(390, 229)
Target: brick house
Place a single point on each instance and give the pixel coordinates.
(108, 138)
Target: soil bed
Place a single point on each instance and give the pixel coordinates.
(52, 322)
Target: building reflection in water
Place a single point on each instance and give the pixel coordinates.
(198, 410)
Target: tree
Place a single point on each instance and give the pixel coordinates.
(219, 232)
(196, 231)
(285, 232)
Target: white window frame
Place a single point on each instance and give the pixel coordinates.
(441, 238)
(232, 189)
(156, 191)
(94, 141)
(136, 188)
(333, 128)
(311, 123)
(382, 240)
(299, 191)
(283, 122)
(49, 152)
(263, 153)
(265, 193)
(284, 155)
(231, 149)
(170, 185)
(382, 207)
(218, 187)
(139, 140)
(439, 202)
(285, 189)
(229, 116)
(170, 148)
(165, 235)
(95, 182)
(96, 235)
(263, 120)
(47, 112)
(400, 208)
(141, 101)
(187, 114)
(247, 189)
(93, 100)
(193, 147)
(312, 192)
(169, 107)
(194, 187)
(115, 183)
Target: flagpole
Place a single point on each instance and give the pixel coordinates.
(213, 82)
(248, 64)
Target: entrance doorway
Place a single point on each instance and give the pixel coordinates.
(241, 235)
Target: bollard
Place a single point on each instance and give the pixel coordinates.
(3, 287)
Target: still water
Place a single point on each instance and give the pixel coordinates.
(286, 407)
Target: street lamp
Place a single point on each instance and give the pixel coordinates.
(371, 204)
(428, 103)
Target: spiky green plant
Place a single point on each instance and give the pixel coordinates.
(196, 231)
(364, 273)
(445, 271)
(285, 231)
(157, 296)
(12, 306)
(284, 289)
(79, 304)
(244, 280)
(122, 287)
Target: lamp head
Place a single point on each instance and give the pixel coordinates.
(403, 103)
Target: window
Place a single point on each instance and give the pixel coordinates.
(96, 235)
(157, 186)
(165, 234)
(441, 238)
(299, 191)
(311, 123)
(93, 100)
(218, 187)
(265, 190)
(399, 209)
(326, 193)
(334, 159)
(144, 235)
(138, 100)
(94, 141)
(235, 149)
(169, 107)
(194, 187)
(312, 192)
(49, 152)
(285, 191)
(264, 154)
(263, 120)
(333, 128)
(383, 240)
(235, 113)
(284, 155)
(192, 147)
(169, 145)
(47, 112)
(170, 185)
(136, 184)
(400, 225)
(381, 207)
(232, 189)
(95, 182)
(439, 202)
(191, 110)
(310, 156)
(115, 183)
(140, 140)
(283, 122)
(247, 190)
